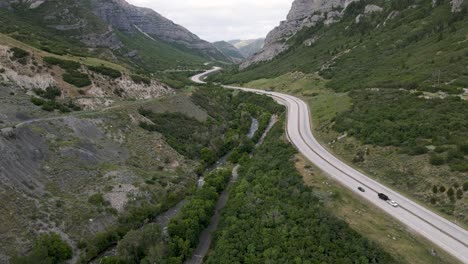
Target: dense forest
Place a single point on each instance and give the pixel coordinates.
(272, 217)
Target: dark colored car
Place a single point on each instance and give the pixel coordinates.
(361, 189)
(383, 197)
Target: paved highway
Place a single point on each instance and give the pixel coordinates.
(442, 232)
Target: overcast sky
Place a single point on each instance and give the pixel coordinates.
(215, 20)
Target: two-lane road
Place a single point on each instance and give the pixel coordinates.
(443, 233)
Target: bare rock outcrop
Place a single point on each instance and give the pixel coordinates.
(303, 13)
(456, 5)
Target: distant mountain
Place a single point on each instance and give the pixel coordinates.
(112, 28)
(229, 51)
(248, 47)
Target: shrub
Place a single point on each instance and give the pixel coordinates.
(49, 93)
(442, 189)
(97, 199)
(436, 160)
(106, 71)
(50, 106)
(48, 248)
(454, 155)
(465, 186)
(2, 70)
(450, 192)
(140, 79)
(459, 194)
(64, 64)
(435, 189)
(73, 106)
(19, 53)
(463, 148)
(77, 79)
(418, 150)
(37, 101)
(459, 165)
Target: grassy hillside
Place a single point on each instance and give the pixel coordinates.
(155, 55)
(422, 48)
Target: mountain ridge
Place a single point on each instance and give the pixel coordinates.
(229, 51)
(248, 47)
(100, 24)
(310, 13)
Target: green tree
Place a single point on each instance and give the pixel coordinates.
(48, 248)
(207, 155)
(450, 192)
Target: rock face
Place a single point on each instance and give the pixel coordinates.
(303, 13)
(130, 19)
(457, 5)
(94, 23)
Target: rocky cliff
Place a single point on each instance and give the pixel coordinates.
(308, 13)
(96, 22)
(130, 19)
(303, 13)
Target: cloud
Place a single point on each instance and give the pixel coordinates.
(222, 19)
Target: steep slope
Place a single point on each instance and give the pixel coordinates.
(229, 51)
(303, 13)
(248, 47)
(107, 27)
(376, 44)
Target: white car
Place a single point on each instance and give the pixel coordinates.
(392, 203)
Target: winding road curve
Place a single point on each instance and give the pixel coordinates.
(440, 231)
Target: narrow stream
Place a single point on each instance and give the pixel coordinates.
(206, 236)
(253, 129)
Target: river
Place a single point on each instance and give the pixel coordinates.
(206, 236)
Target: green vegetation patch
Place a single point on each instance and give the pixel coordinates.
(194, 217)
(71, 75)
(398, 118)
(50, 92)
(140, 79)
(271, 217)
(77, 79)
(19, 53)
(64, 64)
(106, 71)
(48, 103)
(48, 248)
